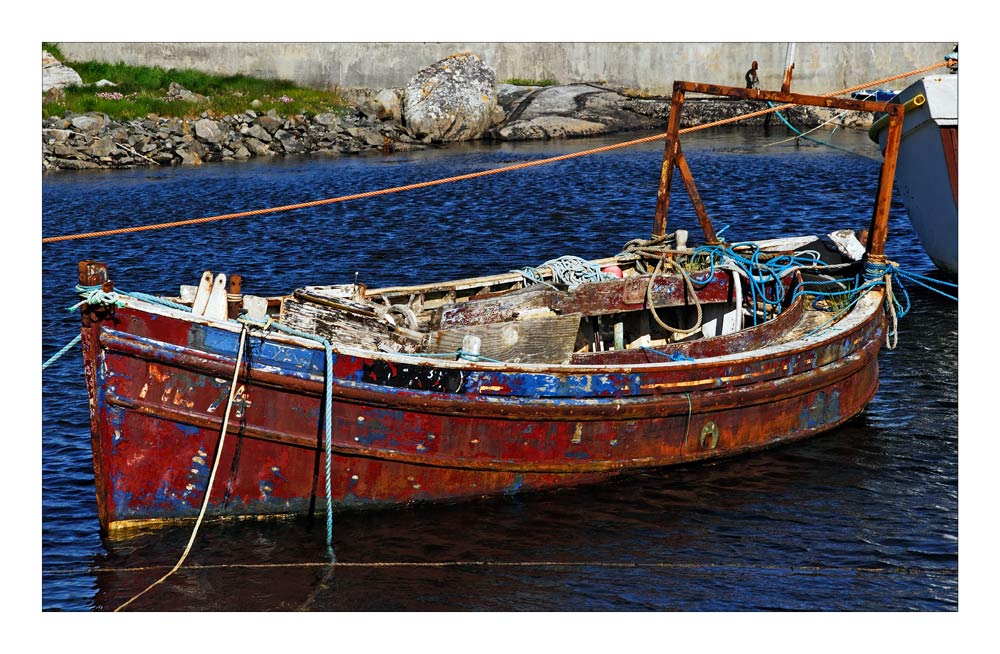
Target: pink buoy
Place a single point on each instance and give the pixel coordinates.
(613, 270)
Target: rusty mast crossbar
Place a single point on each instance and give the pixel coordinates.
(673, 156)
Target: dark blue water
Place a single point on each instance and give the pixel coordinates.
(864, 518)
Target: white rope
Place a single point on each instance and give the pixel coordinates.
(569, 270)
(211, 478)
(797, 136)
(690, 286)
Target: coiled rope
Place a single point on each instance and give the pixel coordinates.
(654, 248)
(569, 270)
(467, 176)
(211, 477)
(691, 291)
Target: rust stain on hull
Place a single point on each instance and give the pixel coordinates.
(409, 429)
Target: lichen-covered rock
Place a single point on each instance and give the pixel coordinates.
(568, 111)
(386, 104)
(549, 127)
(326, 119)
(259, 133)
(451, 100)
(103, 147)
(56, 74)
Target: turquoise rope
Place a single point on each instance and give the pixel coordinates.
(94, 295)
(327, 417)
(328, 446)
(66, 348)
(90, 295)
(874, 276)
(809, 138)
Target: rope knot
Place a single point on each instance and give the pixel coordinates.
(95, 296)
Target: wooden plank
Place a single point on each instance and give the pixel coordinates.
(501, 308)
(629, 294)
(540, 340)
(336, 325)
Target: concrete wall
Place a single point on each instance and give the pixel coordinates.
(652, 67)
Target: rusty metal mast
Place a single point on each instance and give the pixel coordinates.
(673, 156)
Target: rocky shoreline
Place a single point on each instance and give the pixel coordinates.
(83, 141)
(385, 121)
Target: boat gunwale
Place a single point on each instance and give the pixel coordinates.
(575, 409)
(857, 316)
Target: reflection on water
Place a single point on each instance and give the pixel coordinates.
(863, 518)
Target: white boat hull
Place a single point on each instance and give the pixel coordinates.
(927, 168)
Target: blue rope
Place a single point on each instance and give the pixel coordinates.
(764, 277)
(673, 356)
(923, 280)
(874, 276)
(61, 352)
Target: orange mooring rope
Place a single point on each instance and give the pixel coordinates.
(459, 178)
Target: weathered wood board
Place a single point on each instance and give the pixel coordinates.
(336, 325)
(540, 340)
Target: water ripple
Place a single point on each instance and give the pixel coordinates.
(861, 519)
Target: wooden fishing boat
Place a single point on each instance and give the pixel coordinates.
(336, 397)
(927, 175)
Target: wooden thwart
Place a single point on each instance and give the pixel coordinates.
(539, 340)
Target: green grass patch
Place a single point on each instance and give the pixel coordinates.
(520, 81)
(52, 49)
(142, 90)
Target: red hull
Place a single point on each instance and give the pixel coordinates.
(159, 392)
(409, 428)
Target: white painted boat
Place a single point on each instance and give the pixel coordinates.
(927, 168)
